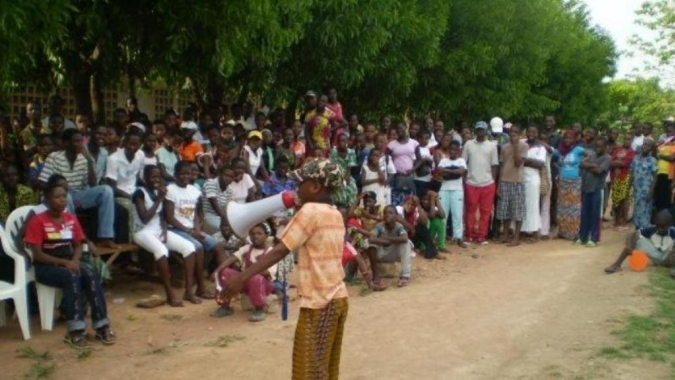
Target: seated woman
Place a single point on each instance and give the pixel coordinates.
(243, 187)
(151, 234)
(259, 286)
(55, 239)
(658, 242)
(216, 194)
(389, 243)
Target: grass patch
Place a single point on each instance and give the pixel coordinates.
(40, 370)
(649, 336)
(224, 341)
(42, 367)
(83, 353)
(171, 317)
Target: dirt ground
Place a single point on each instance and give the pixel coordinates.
(539, 311)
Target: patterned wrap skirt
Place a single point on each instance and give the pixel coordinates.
(318, 341)
(621, 190)
(569, 208)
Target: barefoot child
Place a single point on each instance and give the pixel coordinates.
(151, 233)
(656, 241)
(257, 287)
(317, 232)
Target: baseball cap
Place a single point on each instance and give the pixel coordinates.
(253, 134)
(324, 170)
(191, 125)
(481, 125)
(310, 94)
(497, 125)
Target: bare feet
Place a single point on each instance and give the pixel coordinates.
(192, 299)
(513, 243)
(612, 269)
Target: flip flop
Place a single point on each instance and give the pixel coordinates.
(403, 282)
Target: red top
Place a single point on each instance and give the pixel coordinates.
(55, 238)
(626, 155)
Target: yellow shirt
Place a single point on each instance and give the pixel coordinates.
(663, 166)
(317, 232)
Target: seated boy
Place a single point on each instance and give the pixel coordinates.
(656, 241)
(416, 221)
(389, 243)
(432, 206)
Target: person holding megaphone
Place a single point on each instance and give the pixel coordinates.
(317, 233)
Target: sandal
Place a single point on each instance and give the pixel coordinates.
(77, 338)
(258, 316)
(106, 336)
(612, 270)
(403, 282)
(222, 312)
(378, 286)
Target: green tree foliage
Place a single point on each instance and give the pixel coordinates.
(659, 17)
(639, 100)
(461, 59)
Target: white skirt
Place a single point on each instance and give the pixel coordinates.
(532, 222)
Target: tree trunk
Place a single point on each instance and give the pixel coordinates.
(131, 83)
(79, 80)
(98, 106)
(214, 93)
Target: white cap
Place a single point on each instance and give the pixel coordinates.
(191, 125)
(138, 126)
(497, 125)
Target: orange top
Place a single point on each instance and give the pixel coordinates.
(190, 151)
(317, 232)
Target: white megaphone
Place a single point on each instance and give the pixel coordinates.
(243, 216)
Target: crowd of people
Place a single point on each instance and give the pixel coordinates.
(407, 188)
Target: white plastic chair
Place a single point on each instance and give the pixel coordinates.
(17, 291)
(48, 297)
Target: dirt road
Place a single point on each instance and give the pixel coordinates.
(539, 311)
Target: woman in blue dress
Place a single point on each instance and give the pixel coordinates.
(643, 169)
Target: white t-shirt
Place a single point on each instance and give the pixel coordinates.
(637, 142)
(255, 255)
(452, 184)
(147, 161)
(155, 224)
(123, 172)
(535, 153)
(240, 189)
(185, 201)
(425, 152)
(254, 158)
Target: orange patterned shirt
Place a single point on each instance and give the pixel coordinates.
(317, 232)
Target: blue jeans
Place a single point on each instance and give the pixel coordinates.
(101, 198)
(209, 241)
(74, 287)
(452, 202)
(589, 228)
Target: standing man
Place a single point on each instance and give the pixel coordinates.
(482, 164)
(555, 140)
(78, 166)
(536, 159)
(511, 191)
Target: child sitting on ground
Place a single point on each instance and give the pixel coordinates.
(356, 243)
(431, 203)
(389, 243)
(656, 241)
(257, 287)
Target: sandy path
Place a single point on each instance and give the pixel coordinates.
(537, 311)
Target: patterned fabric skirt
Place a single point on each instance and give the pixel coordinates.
(621, 190)
(318, 341)
(569, 208)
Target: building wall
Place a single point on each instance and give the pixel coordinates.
(152, 102)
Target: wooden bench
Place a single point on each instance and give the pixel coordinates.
(115, 252)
